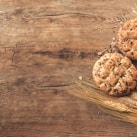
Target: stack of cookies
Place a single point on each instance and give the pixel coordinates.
(114, 73)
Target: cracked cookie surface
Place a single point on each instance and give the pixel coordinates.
(115, 74)
(127, 39)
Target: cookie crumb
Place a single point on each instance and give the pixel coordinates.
(113, 38)
(80, 77)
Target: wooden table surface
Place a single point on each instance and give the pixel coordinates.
(44, 44)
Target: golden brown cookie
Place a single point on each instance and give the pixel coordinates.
(115, 74)
(127, 39)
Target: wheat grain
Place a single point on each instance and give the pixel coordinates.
(116, 106)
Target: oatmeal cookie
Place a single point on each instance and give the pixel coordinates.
(127, 39)
(115, 74)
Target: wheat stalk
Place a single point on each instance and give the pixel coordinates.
(124, 108)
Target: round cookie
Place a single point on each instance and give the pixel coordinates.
(115, 74)
(127, 39)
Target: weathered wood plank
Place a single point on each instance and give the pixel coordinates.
(43, 44)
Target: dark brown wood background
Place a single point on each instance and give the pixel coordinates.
(43, 44)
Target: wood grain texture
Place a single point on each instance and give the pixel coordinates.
(43, 44)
